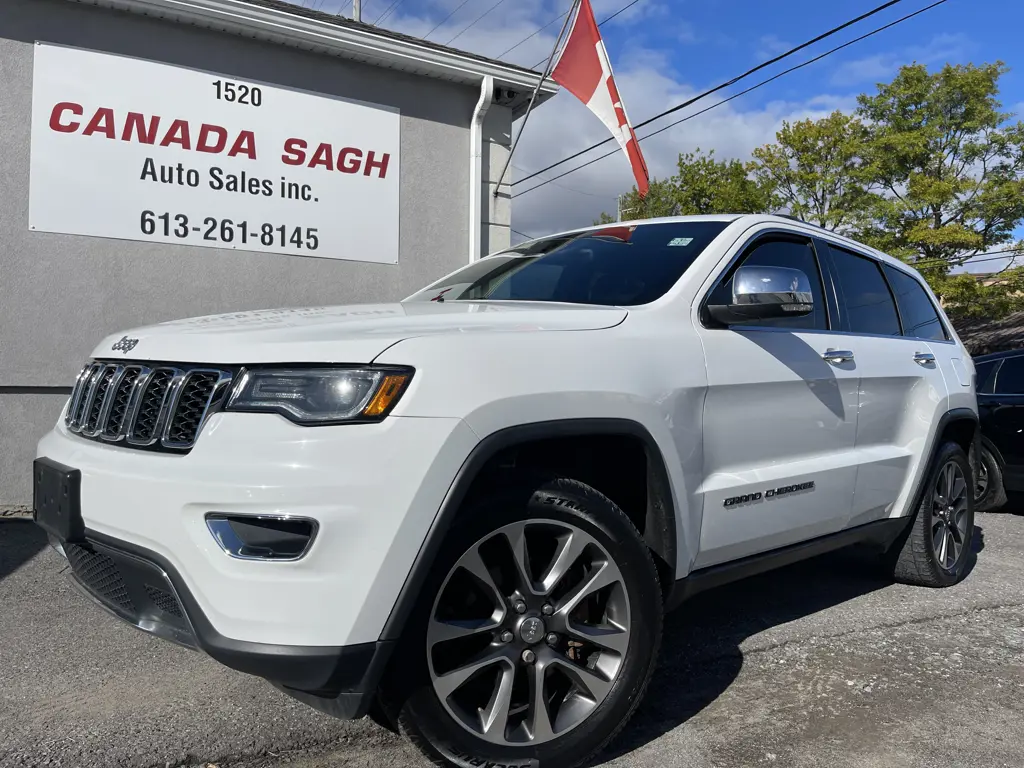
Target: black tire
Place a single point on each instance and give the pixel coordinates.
(917, 561)
(994, 496)
(408, 692)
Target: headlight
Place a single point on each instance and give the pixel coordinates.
(320, 395)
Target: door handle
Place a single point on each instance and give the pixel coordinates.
(924, 358)
(837, 356)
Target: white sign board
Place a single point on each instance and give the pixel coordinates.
(137, 150)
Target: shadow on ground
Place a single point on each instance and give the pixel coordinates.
(20, 541)
(700, 650)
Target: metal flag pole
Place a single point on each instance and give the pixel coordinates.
(533, 97)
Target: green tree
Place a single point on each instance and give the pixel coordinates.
(701, 185)
(815, 169)
(947, 162)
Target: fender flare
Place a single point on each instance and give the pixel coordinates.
(660, 524)
(957, 414)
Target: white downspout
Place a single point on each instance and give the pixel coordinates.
(476, 129)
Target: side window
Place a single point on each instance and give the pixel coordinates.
(782, 253)
(920, 320)
(1010, 377)
(869, 305)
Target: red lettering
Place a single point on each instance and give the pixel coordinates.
(381, 164)
(349, 160)
(294, 152)
(137, 122)
(204, 145)
(177, 134)
(323, 157)
(58, 114)
(245, 144)
(102, 122)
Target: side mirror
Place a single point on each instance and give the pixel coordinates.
(765, 293)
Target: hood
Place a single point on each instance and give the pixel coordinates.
(354, 333)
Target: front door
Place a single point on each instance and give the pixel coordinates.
(901, 348)
(780, 419)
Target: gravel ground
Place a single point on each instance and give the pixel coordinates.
(820, 664)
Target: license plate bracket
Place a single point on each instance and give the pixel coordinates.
(57, 499)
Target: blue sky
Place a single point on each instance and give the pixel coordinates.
(664, 51)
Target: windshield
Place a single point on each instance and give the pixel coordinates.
(618, 265)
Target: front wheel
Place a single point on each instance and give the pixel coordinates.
(535, 640)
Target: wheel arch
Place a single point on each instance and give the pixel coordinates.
(660, 524)
(959, 425)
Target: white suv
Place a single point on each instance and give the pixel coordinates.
(466, 513)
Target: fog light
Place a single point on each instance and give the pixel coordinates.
(262, 537)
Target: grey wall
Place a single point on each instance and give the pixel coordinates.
(59, 294)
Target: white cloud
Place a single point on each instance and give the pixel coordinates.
(647, 82)
(770, 46)
(883, 66)
(564, 126)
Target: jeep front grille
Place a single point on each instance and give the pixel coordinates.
(163, 407)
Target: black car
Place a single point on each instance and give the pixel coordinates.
(1000, 389)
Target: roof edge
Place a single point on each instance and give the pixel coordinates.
(297, 31)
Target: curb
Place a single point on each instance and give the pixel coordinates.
(15, 513)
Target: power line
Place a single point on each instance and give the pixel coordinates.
(387, 11)
(532, 35)
(522, 234)
(934, 262)
(817, 58)
(564, 186)
(474, 21)
(719, 87)
(445, 19)
(623, 9)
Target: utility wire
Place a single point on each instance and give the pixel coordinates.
(929, 263)
(387, 11)
(532, 35)
(817, 58)
(445, 19)
(623, 9)
(717, 88)
(474, 22)
(522, 234)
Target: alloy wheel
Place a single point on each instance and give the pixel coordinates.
(528, 632)
(949, 515)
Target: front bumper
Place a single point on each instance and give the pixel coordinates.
(374, 490)
(145, 590)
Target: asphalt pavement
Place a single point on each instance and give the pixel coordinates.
(819, 664)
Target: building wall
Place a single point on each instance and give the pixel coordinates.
(59, 294)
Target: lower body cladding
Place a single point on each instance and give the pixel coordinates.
(136, 529)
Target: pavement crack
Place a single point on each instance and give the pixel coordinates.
(885, 625)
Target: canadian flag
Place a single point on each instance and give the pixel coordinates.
(583, 69)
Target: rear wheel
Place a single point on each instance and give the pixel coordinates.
(936, 549)
(536, 639)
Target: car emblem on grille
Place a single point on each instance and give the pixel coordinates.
(125, 345)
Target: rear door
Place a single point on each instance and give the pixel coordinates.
(899, 341)
(1001, 405)
(779, 420)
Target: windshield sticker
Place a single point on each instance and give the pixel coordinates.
(680, 241)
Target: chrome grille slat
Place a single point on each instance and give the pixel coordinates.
(99, 399)
(163, 407)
